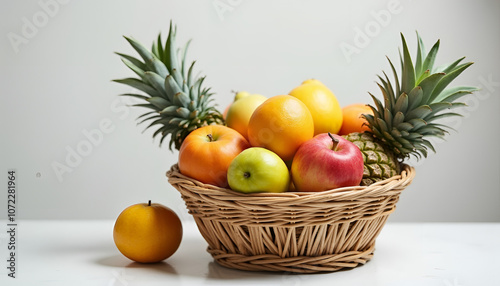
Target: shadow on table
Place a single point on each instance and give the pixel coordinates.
(120, 261)
(192, 260)
(185, 266)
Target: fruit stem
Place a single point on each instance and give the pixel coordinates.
(335, 141)
(210, 137)
(149, 203)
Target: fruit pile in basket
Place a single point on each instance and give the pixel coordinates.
(299, 141)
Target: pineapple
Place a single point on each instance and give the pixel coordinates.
(178, 101)
(409, 113)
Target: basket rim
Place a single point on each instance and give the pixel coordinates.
(382, 188)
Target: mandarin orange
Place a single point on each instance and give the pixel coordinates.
(352, 119)
(147, 233)
(281, 124)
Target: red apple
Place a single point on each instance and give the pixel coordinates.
(325, 162)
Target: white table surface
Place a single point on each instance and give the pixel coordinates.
(83, 253)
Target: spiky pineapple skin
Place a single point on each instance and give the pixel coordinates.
(379, 162)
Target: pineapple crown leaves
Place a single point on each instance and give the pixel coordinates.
(412, 105)
(178, 101)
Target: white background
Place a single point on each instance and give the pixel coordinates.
(57, 63)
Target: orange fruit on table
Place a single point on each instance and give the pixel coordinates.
(323, 105)
(206, 153)
(281, 124)
(147, 233)
(353, 121)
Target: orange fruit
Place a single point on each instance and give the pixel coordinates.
(147, 233)
(323, 105)
(352, 119)
(281, 124)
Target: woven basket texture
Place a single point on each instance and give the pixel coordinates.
(297, 232)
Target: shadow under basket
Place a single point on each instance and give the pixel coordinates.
(297, 232)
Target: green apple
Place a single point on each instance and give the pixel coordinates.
(257, 170)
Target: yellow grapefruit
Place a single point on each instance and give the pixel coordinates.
(323, 105)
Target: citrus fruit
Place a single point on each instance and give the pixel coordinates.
(323, 105)
(147, 233)
(352, 119)
(281, 124)
(240, 112)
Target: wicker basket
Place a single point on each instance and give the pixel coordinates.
(291, 232)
